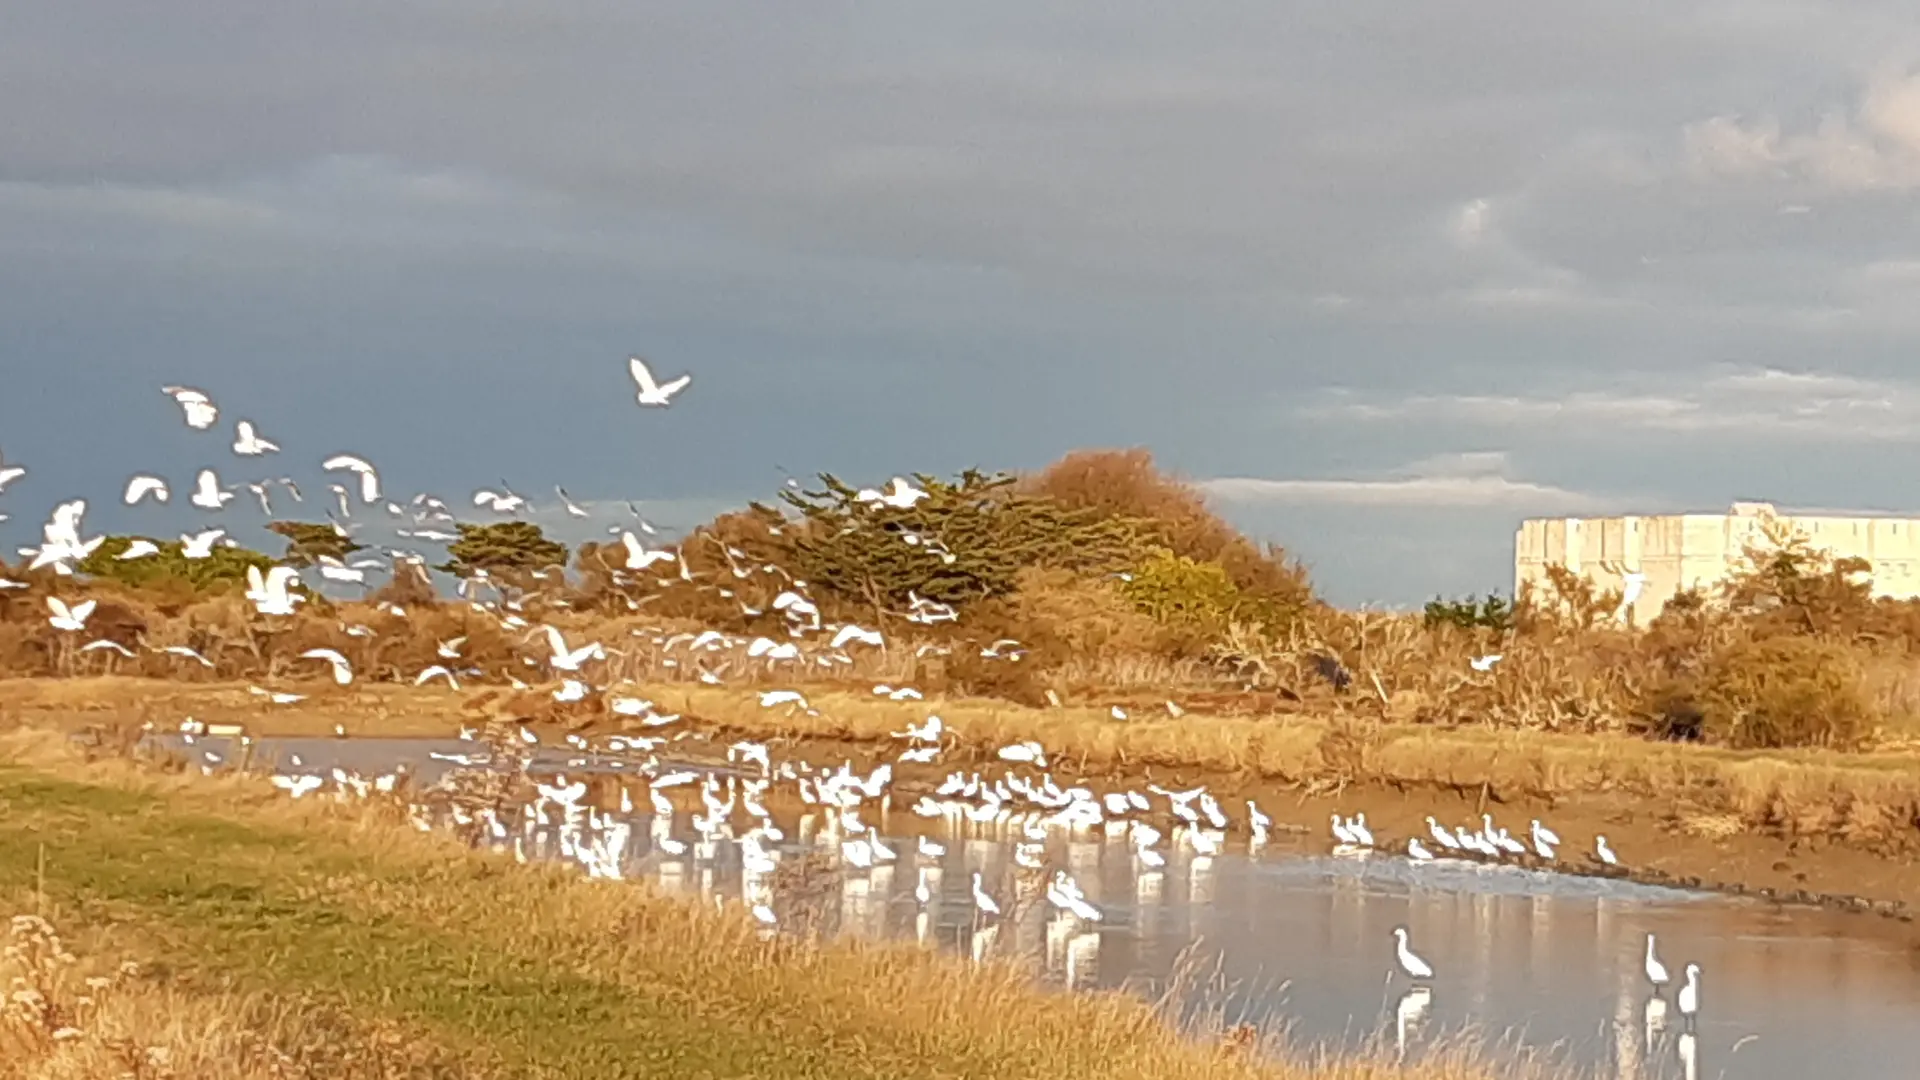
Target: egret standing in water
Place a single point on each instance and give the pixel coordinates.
(1656, 971)
(1410, 962)
(1689, 996)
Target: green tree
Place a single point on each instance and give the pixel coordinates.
(307, 541)
(963, 541)
(1491, 612)
(1177, 591)
(507, 549)
(224, 570)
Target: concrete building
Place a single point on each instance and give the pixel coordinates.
(1681, 551)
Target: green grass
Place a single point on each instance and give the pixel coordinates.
(485, 968)
(237, 899)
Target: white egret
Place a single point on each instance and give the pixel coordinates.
(651, 392)
(1410, 962)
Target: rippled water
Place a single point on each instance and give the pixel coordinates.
(1289, 935)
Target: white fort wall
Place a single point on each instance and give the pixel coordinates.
(1681, 551)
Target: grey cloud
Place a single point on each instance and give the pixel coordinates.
(1750, 404)
(925, 236)
(1119, 147)
(1475, 479)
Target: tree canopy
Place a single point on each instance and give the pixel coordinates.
(307, 541)
(963, 541)
(222, 570)
(506, 547)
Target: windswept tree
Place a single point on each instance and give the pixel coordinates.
(510, 550)
(963, 541)
(223, 570)
(307, 541)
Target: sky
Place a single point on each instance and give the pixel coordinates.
(1384, 278)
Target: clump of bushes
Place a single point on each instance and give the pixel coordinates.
(1756, 691)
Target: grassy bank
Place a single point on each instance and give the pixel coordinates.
(338, 939)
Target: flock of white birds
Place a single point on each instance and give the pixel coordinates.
(1032, 805)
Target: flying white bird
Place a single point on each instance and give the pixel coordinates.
(851, 632)
(1485, 663)
(564, 659)
(573, 510)
(652, 393)
(1634, 582)
(207, 493)
(9, 473)
(199, 545)
(900, 494)
(103, 643)
(142, 486)
(200, 409)
(184, 651)
(369, 478)
(70, 619)
(62, 541)
(500, 502)
(638, 557)
(334, 570)
(342, 671)
(269, 592)
(139, 549)
(247, 441)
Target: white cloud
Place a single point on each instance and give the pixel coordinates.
(1760, 402)
(1875, 147)
(1472, 480)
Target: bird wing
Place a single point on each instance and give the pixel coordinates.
(641, 376)
(84, 609)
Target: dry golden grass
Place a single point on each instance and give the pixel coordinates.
(219, 878)
(77, 1012)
